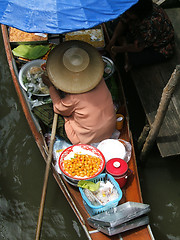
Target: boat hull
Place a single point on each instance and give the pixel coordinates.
(132, 190)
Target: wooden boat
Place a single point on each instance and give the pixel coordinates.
(131, 192)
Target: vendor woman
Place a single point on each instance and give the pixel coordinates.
(145, 33)
(79, 94)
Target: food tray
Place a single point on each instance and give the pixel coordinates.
(93, 36)
(17, 37)
(92, 209)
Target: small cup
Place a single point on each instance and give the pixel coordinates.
(119, 121)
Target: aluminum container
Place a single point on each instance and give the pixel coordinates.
(138, 222)
(120, 214)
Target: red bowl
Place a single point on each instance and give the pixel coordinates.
(81, 149)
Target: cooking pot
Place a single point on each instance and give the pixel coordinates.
(118, 168)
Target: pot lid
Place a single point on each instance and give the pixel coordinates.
(116, 166)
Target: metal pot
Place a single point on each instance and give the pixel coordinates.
(118, 168)
(108, 67)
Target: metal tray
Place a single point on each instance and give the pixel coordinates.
(93, 36)
(23, 71)
(138, 222)
(73, 183)
(120, 214)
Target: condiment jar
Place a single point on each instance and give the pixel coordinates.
(118, 168)
(119, 121)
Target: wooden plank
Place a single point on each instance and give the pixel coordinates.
(150, 89)
(149, 82)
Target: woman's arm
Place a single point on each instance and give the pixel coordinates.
(133, 47)
(119, 30)
(54, 94)
(63, 106)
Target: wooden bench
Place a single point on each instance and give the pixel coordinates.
(150, 82)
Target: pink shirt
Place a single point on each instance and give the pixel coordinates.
(89, 117)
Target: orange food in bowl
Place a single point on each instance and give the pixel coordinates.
(81, 162)
(82, 165)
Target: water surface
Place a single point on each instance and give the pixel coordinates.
(22, 173)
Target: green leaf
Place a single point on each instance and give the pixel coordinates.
(89, 185)
(31, 51)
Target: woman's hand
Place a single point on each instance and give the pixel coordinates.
(108, 48)
(114, 51)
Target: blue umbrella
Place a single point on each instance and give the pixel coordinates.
(60, 16)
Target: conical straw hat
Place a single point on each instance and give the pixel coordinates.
(75, 66)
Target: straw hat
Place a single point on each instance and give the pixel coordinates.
(75, 66)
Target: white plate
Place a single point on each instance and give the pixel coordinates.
(112, 148)
(25, 68)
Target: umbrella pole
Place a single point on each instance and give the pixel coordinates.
(48, 164)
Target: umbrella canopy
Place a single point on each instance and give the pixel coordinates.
(60, 16)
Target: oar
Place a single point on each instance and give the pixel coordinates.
(48, 164)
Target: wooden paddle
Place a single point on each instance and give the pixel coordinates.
(48, 164)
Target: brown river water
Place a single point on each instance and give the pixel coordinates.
(22, 172)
